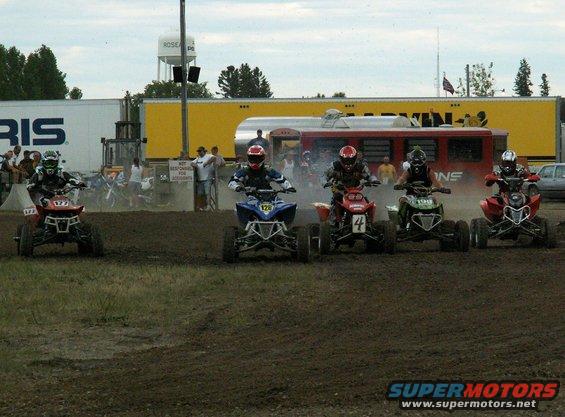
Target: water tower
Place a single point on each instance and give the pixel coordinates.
(169, 53)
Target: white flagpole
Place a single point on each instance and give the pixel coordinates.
(437, 68)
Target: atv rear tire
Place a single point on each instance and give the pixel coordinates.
(26, 241)
(325, 238)
(229, 251)
(481, 233)
(314, 229)
(462, 236)
(447, 227)
(389, 237)
(473, 232)
(303, 244)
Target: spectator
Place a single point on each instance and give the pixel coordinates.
(220, 161)
(17, 150)
(36, 159)
(183, 156)
(205, 169)
(6, 163)
(239, 161)
(259, 140)
(26, 165)
(386, 172)
(134, 182)
(288, 166)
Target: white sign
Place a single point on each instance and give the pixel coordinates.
(358, 223)
(180, 171)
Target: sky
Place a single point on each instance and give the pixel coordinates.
(363, 48)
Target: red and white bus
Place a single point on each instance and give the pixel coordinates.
(462, 155)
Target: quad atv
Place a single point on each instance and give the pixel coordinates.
(423, 219)
(57, 220)
(510, 215)
(352, 220)
(265, 223)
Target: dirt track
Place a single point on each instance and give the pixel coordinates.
(419, 314)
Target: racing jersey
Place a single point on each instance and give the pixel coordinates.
(46, 184)
(360, 171)
(260, 179)
(521, 172)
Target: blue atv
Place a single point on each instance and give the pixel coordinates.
(265, 222)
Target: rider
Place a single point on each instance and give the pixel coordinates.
(509, 168)
(348, 171)
(50, 176)
(418, 171)
(256, 175)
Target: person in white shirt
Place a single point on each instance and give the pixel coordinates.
(220, 161)
(205, 171)
(287, 166)
(134, 182)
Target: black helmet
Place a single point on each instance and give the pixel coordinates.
(417, 160)
(508, 162)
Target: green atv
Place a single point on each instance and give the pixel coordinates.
(421, 219)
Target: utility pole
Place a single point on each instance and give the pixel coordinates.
(437, 67)
(184, 73)
(468, 77)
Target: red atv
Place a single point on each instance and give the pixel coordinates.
(510, 215)
(58, 221)
(353, 220)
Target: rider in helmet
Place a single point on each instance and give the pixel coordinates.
(256, 175)
(509, 168)
(348, 171)
(417, 171)
(50, 176)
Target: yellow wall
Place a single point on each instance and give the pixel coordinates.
(531, 123)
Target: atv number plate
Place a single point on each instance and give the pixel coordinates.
(30, 211)
(61, 203)
(266, 208)
(358, 223)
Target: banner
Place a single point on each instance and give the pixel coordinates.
(180, 171)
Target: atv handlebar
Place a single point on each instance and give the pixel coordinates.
(253, 190)
(421, 189)
(362, 183)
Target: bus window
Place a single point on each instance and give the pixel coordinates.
(464, 149)
(374, 150)
(429, 146)
(330, 146)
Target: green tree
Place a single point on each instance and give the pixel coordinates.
(12, 63)
(522, 82)
(482, 81)
(320, 95)
(75, 93)
(41, 77)
(544, 86)
(243, 82)
(461, 89)
(339, 94)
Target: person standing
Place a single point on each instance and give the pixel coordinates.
(220, 161)
(204, 166)
(26, 165)
(287, 166)
(259, 140)
(386, 172)
(134, 183)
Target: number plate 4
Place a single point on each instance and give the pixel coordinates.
(358, 223)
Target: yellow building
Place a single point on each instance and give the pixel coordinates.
(533, 123)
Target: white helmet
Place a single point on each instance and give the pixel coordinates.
(508, 162)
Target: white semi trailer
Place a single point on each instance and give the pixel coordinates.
(72, 127)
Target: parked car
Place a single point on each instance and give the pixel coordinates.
(551, 183)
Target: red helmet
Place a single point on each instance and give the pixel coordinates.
(348, 157)
(256, 157)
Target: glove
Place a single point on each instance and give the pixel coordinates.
(291, 190)
(445, 190)
(239, 188)
(398, 186)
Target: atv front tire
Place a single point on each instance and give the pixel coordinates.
(549, 239)
(462, 236)
(481, 233)
(26, 241)
(447, 227)
(96, 242)
(229, 251)
(303, 244)
(325, 238)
